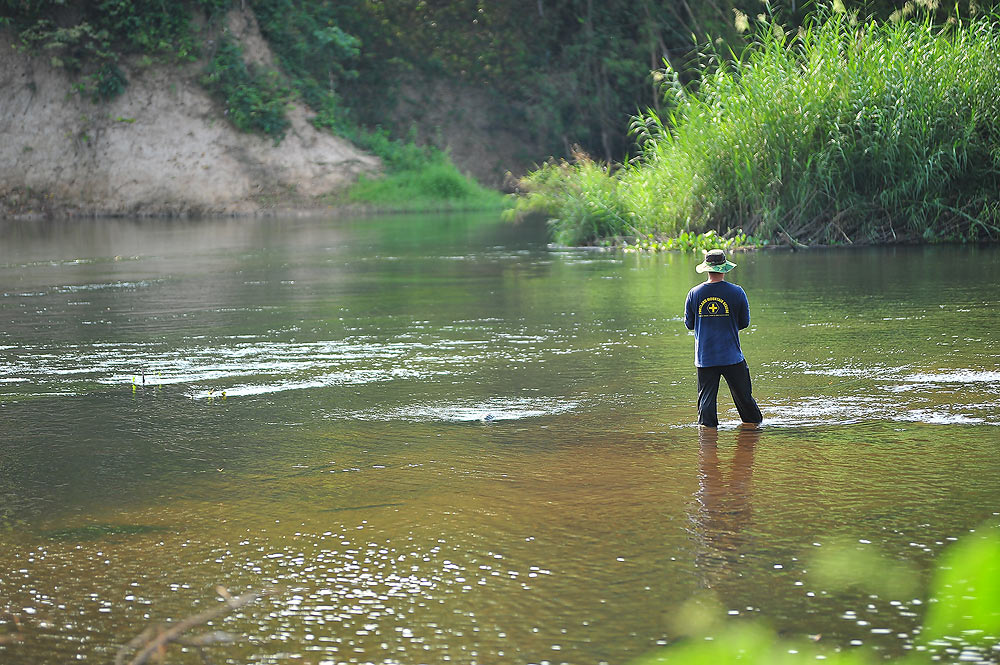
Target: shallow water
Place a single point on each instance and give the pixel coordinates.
(437, 439)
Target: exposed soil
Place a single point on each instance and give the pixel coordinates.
(163, 147)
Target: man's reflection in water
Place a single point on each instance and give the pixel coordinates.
(722, 509)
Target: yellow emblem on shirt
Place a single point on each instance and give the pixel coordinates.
(713, 306)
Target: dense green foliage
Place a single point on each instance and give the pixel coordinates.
(588, 203)
(963, 617)
(842, 132)
(255, 100)
(89, 38)
(314, 52)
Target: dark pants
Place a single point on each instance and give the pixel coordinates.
(738, 378)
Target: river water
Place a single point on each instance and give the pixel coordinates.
(436, 439)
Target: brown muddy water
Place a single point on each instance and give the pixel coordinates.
(437, 439)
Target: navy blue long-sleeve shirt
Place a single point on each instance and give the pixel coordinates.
(716, 312)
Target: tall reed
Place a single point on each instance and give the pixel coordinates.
(846, 131)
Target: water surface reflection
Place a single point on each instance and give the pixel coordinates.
(440, 439)
(723, 508)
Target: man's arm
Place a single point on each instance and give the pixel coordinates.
(743, 316)
(689, 312)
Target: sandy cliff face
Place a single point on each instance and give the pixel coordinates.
(162, 147)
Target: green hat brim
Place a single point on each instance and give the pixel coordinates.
(719, 267)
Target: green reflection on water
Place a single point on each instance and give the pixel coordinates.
(350, 463)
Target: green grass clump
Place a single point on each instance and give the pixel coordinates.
(416, 178)
(435, 184)
(843, 132)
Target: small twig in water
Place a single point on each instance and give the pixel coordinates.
(18, 635)
(155, 639)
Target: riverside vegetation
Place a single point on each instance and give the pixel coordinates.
(845, 131)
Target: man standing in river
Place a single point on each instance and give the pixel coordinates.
(716, 311)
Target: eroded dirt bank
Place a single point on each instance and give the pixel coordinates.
(161, 148)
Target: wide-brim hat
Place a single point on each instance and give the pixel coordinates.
(715, 261)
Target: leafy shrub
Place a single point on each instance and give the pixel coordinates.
(966, 587)
(255, 101)
(583, 197)
(109, 82)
